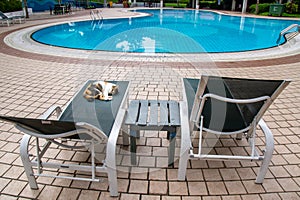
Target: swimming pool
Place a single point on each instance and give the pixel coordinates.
(168, 31)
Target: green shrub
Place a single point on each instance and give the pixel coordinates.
(291, 8)
(175, 5)
(263, 7)
(208, 4)
(10, 5)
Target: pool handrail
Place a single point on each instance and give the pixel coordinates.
(285, 31)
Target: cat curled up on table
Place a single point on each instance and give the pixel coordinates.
(101, 90)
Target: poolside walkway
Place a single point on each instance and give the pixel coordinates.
(31, 81)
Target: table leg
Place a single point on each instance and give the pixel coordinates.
(133, 149)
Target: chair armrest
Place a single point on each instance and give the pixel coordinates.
(50, 111)
(231, 100)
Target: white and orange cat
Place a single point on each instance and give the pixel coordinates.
(102, 90)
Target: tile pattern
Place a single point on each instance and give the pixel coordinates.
(30, 83)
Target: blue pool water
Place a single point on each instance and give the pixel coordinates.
(168, 31)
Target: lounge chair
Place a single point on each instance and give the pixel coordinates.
(6, 21)
(227, 107)
(87, 122)
(13, 19)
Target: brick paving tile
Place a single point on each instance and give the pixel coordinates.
(293, 170)
(172, 174)
(278, 160)
(3, 183)
(50, 192)
(139, 173)
(212, 175)
(129, 196)
(6, 197)
(150, 197)
(171, 198)
(147, 161)
(289, 195)
(3, 168)
(250, 196)
(158, 174)
(212, 198)
(14, 187)
(197, 188)
(292, 158)
(158, 187)
(194, 175)
(62, 182)
(178, 188)
(88, 194)
(123, 185)
(229, 174)
(29, 193)
(288, 184)
(138, 186)
(246, 173)
(14, 172)
(251, 187)
(235, 187)
(229, 197)
(216, 188)
(279, 171)
(80, 184)
(68, 193)
(271, 185)
(271, 196)
(191, 198)
(102, 185)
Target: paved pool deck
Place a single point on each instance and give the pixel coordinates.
(34, 77)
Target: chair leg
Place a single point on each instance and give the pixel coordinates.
(268, 152)
(185, 141)
(113, 182)
(171, 149)
(183, 161)
(26, 162)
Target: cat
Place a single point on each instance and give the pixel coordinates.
(102, 90)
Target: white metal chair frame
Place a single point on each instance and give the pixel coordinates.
(108, 166)
(188, 125)
(250, 130)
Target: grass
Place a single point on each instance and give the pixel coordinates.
(283, 14)
(174, 5)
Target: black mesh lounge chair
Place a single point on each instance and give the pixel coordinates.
(222, 106)
(14, 19)
(89, 122)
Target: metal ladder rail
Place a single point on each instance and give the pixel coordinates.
(284, 31)
(92, 15)
(97, 19)
(99, 15)
(96, 16)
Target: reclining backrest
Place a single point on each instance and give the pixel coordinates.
(229, 117)
(43, 127)
(234, 116)
(3, 16)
